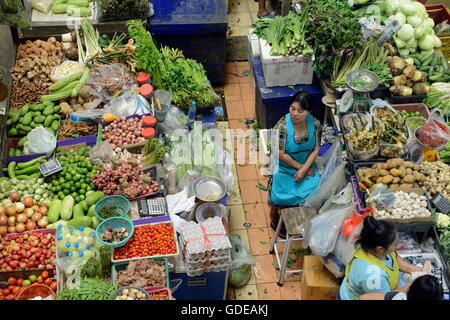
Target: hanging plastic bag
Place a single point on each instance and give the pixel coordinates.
(241, 262)
(382, 197)
(434, 132)
(322, 231)
(101, 152)
(331, 180)
(40, 140)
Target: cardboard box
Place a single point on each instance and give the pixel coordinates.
(317, 282)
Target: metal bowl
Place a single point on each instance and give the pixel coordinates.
(424, 144)
(364, 75)
(209, 188)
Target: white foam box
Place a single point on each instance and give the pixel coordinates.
(253, 45)
(282, 71)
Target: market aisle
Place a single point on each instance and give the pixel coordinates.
(249, 215)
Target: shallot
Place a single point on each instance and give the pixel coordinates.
(123, 132)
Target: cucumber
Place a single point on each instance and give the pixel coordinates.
(78, 211)
(84, 205)
(22, 141)
(48, 120)
(436, 77)
(59, 8)
(53, 210)
(91, 212)
(94, 197)
(81, 222)
(427, 61)
(67, 207)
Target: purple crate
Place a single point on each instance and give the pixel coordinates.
(142, 221)
(23, 158)
(139, 116)
(89, 140)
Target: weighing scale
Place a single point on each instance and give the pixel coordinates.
(358, 99)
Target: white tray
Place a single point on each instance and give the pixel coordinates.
(39, 19)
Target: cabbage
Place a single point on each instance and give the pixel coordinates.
(427, 51)
(408, 8)
(419, 32)
(406, 32)
(413, 49)
(438, 42)
(392, 7)
(403, 52)
(428, 30)
(427, 42)
(400, 43)
(411, 43)
(415, 21)
(428, 22)
(400, 17)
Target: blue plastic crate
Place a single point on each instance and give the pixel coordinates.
(192, 24)
(273, 103)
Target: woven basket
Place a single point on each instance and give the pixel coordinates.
(114, 222)
(121, 203)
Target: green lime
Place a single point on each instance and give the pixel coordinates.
(77, 199)
(82, 191)
(58, 188)
(84, 186)
(66, 192)
(78, 184)
(74, 194)
(82, 197)
(417, 113)
(62, 180)
(68, 176)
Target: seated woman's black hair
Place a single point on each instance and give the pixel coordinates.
(426, 287)
(304, 99)
(376, 233)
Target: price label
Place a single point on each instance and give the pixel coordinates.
(50, 167)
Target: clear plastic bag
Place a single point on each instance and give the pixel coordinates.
(40, 140)
(342, 198)
(322, 231)
(109, 80)
(42, 5)
(15, 13)
(119, 10)
(101, 152)
(176, 119)
(434, 132)
(241, 262)
(382, 197)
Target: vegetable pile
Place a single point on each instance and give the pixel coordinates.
(285, 35)
(153, 152)
(114, 235)
(439, 97)
(124, 178)
(30, 187)
(437, 178)
(48, 48)
(71, 130)
(16, 285)
(407, 80)
(147, 241)
(74, 8)
(131, 294)
(25, 170)
(143, 273)
(408, 205)
(89, 289)
(18, 216)
(28, 251)
(361, 138)
(395, 173)
(122, 132)
(433, 65)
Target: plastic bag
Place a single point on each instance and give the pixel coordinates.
(101, 152)
(119, 10)
(176, 119)
(15, 13)
(40, 140)
(331, 180)
(322, 231)
(42, 5)
(342, 198)
(241, 262)
(107, 81)
(434, 132)
(382, 197)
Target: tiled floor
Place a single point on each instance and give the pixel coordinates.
(249, 215)
(241, 15)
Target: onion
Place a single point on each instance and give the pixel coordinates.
(14, 196)
(29, 212)
(22, 217)
(3, 230)
(28, 202)
(19, 207)
(11, 229)
(30, 225)
(36, 216)
(20, 227)
(2, 210)
(43, 210)
(11, 220)
(3, 220)
(44, 203)
(43, 222)
(11, 210)
(35, 208)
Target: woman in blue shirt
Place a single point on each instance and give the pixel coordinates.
(375, 265)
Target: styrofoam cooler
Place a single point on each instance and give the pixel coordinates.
(282, 71)
(253, 45)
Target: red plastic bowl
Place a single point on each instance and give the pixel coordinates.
(36, 289)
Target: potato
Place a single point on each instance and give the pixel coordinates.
(379, 166)
(379, 180)
(396, 180)
(419, 177)
(395, 172)
(405, 186)
(409, 178)
(387, 179)
(393, 186)
(383, 172)
(402, 171)
(409, 164)
(409, 171)
(394, 163)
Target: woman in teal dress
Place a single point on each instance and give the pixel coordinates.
(295, 174)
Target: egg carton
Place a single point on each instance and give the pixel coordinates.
(200, 271)
(192, 238)
(212, 256)
(201, 263)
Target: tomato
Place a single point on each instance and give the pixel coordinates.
(19, 282)
(39, 279)
(48, 281)
(2, 297)
(53, 286)
(6, 291)
(12, 281)
(16, 290)
(10, 297)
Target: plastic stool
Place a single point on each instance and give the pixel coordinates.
(292, 218)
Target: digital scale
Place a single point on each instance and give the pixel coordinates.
(50, 167)
(441, 203)
(357, 98)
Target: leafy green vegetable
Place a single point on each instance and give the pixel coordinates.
(153, 152)
(91, 268)
(89, 289)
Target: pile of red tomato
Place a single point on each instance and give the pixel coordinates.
(16, 285)
(148, 240)
(432, 133)
(27, 251)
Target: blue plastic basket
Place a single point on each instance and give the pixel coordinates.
(115, 222)
(121, 203)
(119, 291)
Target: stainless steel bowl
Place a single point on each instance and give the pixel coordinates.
(416, 132)
(364, 75)
(209, 188)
